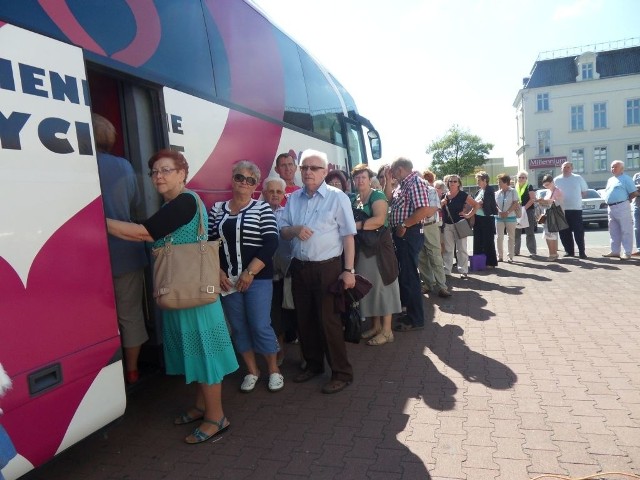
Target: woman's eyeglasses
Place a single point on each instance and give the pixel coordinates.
(238, 177)
(452, 181)
(162, 171)
(313, 168)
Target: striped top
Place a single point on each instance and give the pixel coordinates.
(411, 194)
(253, 232)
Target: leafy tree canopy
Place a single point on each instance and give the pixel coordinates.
(459, 152)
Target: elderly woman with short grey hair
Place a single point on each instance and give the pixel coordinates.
(249, 234)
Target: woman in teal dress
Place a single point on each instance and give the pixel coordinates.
(196, 340)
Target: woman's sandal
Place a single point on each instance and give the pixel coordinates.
(370, 333)
(381, 339)
(186, 417)
(199, 436)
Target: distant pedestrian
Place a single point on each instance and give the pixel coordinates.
(553, 196)
(454, 205)
(636, 214)
(619, 191)
(431, 264)
(527, 198)
(574, 188)
(484, 229)
(507, 203)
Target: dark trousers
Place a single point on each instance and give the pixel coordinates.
(575, 230)
(484, 238)
(408, 251)
(319, 325)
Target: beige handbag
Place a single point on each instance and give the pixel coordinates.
(187, 275)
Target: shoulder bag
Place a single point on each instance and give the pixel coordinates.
(367, 238)
(518, 211)
(187, 275)
(556, 220)
(461, 227)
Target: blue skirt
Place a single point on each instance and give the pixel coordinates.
(197, 344)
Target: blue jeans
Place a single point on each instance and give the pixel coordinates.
(407, 251)
(249, 314)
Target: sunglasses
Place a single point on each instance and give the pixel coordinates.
(239, 178)
(313, 168)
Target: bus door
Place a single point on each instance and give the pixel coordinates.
(136, 111)
(355, 143)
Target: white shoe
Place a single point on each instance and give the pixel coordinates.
(276, 382)
(625, 256)
(249, 383)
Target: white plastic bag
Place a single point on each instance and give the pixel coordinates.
(523, 219)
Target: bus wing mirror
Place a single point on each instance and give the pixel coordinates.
(374, 143)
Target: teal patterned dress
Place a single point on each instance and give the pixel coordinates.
(196, 340)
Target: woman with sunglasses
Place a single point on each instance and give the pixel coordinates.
(454, 204)
(195, 340)
(249, 235)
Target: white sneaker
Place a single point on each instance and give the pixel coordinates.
(625, 256)
(276, 382)
(249, 383)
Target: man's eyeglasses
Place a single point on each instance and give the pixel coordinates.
(313, 168)
(162, 171)
(239, 178)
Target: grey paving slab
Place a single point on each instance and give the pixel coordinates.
(531, 369)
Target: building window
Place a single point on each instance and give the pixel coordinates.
(577, 158)
(577, 118)
(587, 71)
(543, 102)
(544, 142)
(599, 115)
(633, 112)
(600, 162)
(633, 157)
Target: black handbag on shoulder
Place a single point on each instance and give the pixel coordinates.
(367, 238)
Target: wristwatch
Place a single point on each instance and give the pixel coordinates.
(250, 272)
(350, 270)
(404, 225)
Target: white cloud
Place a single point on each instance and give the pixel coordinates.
(576, 9)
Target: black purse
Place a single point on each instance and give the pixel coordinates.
(352, 322)
(367, 238)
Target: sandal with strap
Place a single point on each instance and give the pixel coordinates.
(381, 339)
(370, 333)
(200, 436)
(186, 417)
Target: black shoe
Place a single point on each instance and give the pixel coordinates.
(568, 255)
(583, 256)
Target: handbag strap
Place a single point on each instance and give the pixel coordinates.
(202, 235)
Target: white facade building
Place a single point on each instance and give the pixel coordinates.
(582, 108)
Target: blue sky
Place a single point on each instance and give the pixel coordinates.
(415, 67)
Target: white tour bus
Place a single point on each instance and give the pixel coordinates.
(214, 79)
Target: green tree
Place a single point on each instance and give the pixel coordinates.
(459, 152)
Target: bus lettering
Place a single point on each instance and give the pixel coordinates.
(32, 82)
(52, 131)
(10, 129)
